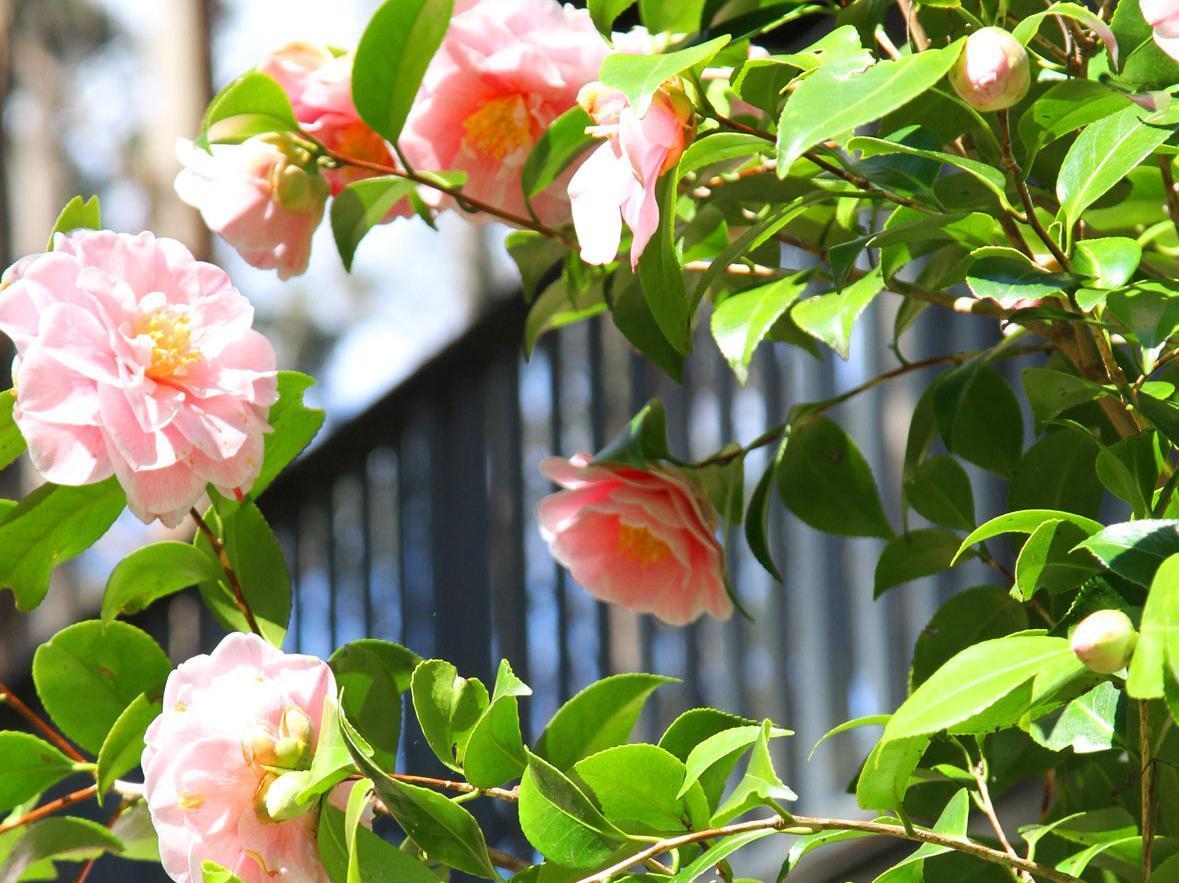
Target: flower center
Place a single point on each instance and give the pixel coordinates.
(640, 545)
(171, 351)
(498, 128)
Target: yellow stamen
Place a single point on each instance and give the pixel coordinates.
(192, 801)
(171, 352)
(640, 545)
(500, 127)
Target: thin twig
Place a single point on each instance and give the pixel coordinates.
(1169, 192)
(9, 697)
(53, 806)
(917, 35)
(507, 861)
(1013, 173)
(984, 803)
(235, 586)
(1147, 784)
(808, 824)
(510, 794)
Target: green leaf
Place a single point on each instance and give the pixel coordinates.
(1052, 392)
(599, 717)
(1007, 277)
(1158, 634)
(77, 214)
(559, 306)
(975, 615)
(979, 418)
(742, 320)
(1058, 472)
(723, 483)
(12, 443)
(64, 837)
(632, 316)
(561, 143)
(642, 789)
(154, 572)
(716, 853)
(1130, 468)
(758, 516)
(1025, 521)
(1063, 109)
(825, 481)
(1048, 560)
(868, 720)
(691, 729)
(560, 821)
(1089, 723)
(951, 822)
(1026, 30)
(760, 786)
(913, 555)
(1108, 262)
(371, 675)
(724, 747)
(604, 12)
(644, 438)
(1135, 549)
(294, 426)
(361, 206)
(979, 678)
(990, 177)
(447, 707)
(31, 765)
(1146, 66)
(884, 778)
(831, 317)
(397, 44)
(638, 76)
(377, 860)
(839, 98)
(332, 761)
(1150, 312)
(720, 147)
(50, 526)
(495, 750)
(1103, 154)
(250, 105)
(123, 745)
(88, 673)
(535, 255)
(660, 270)
(261, 569)
(939, 489)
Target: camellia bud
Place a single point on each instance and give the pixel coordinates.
(278, 797)
(258, 744)
(295, 735)
(1104, 641)
(993, 72)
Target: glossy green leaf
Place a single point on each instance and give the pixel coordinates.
(599, 717)
(1158, 635)
(979, 418)
(978, 614)
(1007, 277)
(561, 143)
(88, 673)
(77, 214)
(642, 789)
(332, 761)
(495, 749)
(884, 778)
(644, 438)
(1135, 549)
(123, 745)
(447, 708)
(250, 105)
(825, 480)
(632, 316)
(1129, 469)
(952, 822)
(604, 12)
(64, 837)
(660, 270)
(31, 765)
(378, 861)
(294, 426)
(558, 306)
(914, 555)
(638, 76)
(1048, 561)
(1064, 108)
(391, 58)
(361, 206)
(50, 526)
(371, 675)
(1025, 521)
(1058, 472)
(1145, 66)
(720, 147)
(721, 849)
(719, 747)
(1108, 262)
(831, 317)
(1051, 392)
(939, 489)
(1089, 723)
(759, 786)
(1149, 311)
(12, 443)
(989, 176)
(742, 320)
(758, 515)
(693, 728)
(535, 255)
(154, 572)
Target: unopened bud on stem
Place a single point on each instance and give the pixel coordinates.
(993, 72)
(1104, 641)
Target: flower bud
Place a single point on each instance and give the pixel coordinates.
(993, 72)
(1104, 641)
(258, 745)
(278, 797)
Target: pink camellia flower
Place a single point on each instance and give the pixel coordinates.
(993, 72)
(644, 540)
(319, 85)
(617, 182)
(505, 71)
(1163, 18)
(213, 763)
(135, 359)
(264, 196)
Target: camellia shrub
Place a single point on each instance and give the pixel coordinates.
(1013, 161)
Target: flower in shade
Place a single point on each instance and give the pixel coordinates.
(319, 86)
(1163, 18)
(504, 72)
(265, 197)
(642, 539)
(137, 360)
(617, 182)
(216, 762)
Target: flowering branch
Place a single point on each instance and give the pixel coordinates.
(235, 585)
(6, 695)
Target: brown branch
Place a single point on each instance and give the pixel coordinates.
(808, 825)
(985, 804)
(509, 794)
(235, 586)
(1013, 173)
(50, 808)
(917, 35)
(507, 861)
(6, 695)
(1147, 784)
(1171, 195)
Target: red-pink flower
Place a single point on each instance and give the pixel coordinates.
(617, 182)
(232, 722)
(319, 85)
(135, 359)
(645, 540)
(1163, 18)
(264, 196)
(506, 69)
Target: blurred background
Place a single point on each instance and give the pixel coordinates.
(411, 517)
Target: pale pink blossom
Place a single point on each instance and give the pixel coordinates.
(993, 72)
(231, 721)
(137, 360)
(264, 196)
(617, 182)
(319, 85)
(1163, 18)
(505, 71)
(645, 540)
